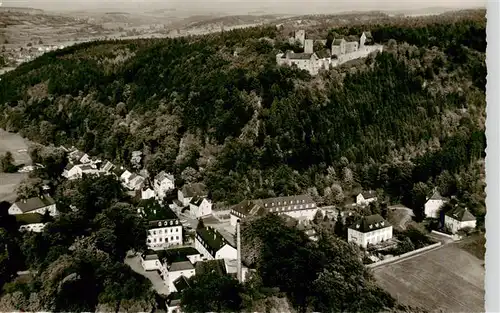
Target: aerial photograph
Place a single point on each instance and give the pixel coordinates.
(263, 156)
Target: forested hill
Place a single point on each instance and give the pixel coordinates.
(217, 109)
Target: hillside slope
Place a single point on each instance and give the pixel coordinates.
(413, 117)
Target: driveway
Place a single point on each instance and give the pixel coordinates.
(135, 264)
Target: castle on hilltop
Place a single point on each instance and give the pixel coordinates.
(340, 51)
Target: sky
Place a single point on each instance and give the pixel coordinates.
(243, 6)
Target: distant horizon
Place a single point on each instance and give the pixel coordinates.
(238, 7)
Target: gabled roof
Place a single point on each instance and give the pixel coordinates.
(29, 218)
(181, 283)
(370, 223)
(163, 175)
(196, 201)
(299, 56)
(369, 194)
(108, 166)
(35, 203)
(195, 189)
(461, 214)
(212, 238)
(436, 196)
(337, 42)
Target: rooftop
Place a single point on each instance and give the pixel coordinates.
(369, 223)
(461, 214)
(153, 211)
(29, 218)
(196, 201)
(162, 175)
(436, 196)
(35, 203)
(217, 266)
(298, 56)
(262, 206)
(181, 283)
(212, 238)
(369, 194)
(180, 266)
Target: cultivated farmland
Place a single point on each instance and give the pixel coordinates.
(448, 279)
(18, 146)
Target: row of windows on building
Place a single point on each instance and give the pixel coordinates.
(161, 231)
(161, 239)
(284, 202)
(168, 223)
(295, 207)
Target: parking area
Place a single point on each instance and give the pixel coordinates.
(133, 260)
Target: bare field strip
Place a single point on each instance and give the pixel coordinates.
(448, 279)
(17, 145)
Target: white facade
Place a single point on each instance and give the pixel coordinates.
(373, 237)
(14, 210)
(432, 207)
(162, 237)
(226, 252)
(151, 264)
(125, 176)
(36, 227)
(360, 200)
(204, 209)
(147, 194)
(169, 276)
(162, 185)
(455, 225)
(85, 159)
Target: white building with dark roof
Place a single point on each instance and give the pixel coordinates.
(300, 206)
(177, 273)
(459, 218)
(200, 207)
(434, 204)
(369, 230)
(164, 227)
(39, 204)
(212, 245)
(30, 222)
(189, 191)
(366, 197)
(163, 183)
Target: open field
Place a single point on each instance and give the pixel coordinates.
(448, 279)
(18, 146)
(474, 245)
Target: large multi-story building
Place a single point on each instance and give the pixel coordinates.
(41, 204)
(165, 229)
(369, 230)
(301, 206)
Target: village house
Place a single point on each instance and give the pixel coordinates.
(434, 204)
(107, 167)
(369, 230)
(212, 245)
(459, 218)
(164, 227)
(134, 182)
(76, 155)
(150, 261)
(72, 172)
(301, 206)
(163, 182)
(147, 193)
(188, 192)
(30, 222)
(200, 207)
(177, 273)
(366, 197)
(173, 303)
(39, 204)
